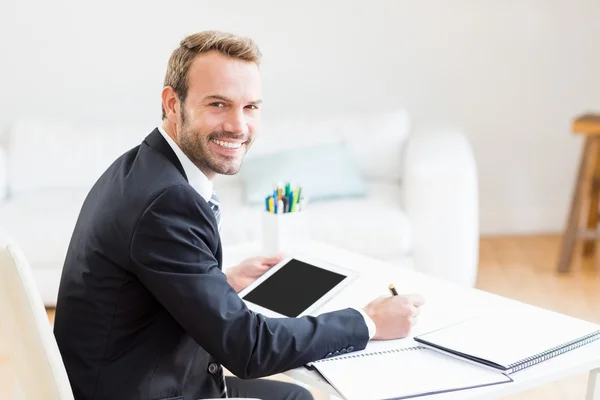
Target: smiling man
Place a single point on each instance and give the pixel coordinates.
(201, 120)
(144, 309)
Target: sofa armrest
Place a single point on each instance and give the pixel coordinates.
(440, 195)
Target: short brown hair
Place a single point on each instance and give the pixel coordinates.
(238, 47)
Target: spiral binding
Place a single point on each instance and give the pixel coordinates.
(553, 352)
(373, 353)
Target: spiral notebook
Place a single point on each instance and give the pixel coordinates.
(512, 340)
(402, 373)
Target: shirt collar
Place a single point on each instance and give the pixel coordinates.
(196, 178)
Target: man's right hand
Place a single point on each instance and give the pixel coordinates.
(394, 316)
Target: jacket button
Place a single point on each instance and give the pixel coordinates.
(212, 368)
(328, 355)
(350, 348)
(336, 353)
(343, 351)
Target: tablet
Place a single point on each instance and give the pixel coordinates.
(295, 287)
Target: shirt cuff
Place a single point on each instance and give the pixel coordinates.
(369, 322)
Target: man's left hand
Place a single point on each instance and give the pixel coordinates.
(242, 275)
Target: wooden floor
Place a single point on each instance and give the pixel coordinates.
(522, 268)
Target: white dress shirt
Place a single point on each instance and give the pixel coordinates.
(204, 187)
(195, 176)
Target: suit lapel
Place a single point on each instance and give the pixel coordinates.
(158, 143)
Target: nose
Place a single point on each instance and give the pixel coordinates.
(235, 122)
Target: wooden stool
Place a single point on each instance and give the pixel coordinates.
(586, 194)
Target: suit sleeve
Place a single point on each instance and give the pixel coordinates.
(171, 255)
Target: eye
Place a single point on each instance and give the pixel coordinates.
(252, 106)
(217, 104)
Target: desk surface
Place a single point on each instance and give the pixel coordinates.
(446, 303)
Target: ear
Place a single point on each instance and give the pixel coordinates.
(171, 104)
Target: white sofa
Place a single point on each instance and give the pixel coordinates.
(422, 201)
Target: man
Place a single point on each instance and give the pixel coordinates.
(144, 310)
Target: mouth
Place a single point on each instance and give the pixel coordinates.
(230, 148)
(228, 144)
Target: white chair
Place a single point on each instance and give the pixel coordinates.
(37, 363)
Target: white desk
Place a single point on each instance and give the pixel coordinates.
(445, 303)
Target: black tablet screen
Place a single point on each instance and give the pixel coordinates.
(293, 288)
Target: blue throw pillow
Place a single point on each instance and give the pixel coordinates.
(325, 172)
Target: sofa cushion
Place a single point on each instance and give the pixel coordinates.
(325, 172)
(368, 227)
(375, 226)
(46, 154)
(42, 223)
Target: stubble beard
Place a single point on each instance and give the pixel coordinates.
(195, 145)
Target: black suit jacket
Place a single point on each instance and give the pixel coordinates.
(144, 310)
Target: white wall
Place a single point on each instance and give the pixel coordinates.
(513, 73)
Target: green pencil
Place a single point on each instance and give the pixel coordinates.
(296, 198)
(287, 189)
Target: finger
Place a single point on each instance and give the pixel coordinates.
(416, 299)
(264, 261)
(272, 260)
(415, 311)
(253, 260)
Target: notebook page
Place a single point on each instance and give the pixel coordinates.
(403, 374)
(508, 337)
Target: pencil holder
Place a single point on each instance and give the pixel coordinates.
(284, 233)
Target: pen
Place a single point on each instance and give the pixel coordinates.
(295, 197)
(393, 290)
(284, 201)
(287, 189)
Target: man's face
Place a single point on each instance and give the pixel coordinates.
(220, 114)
